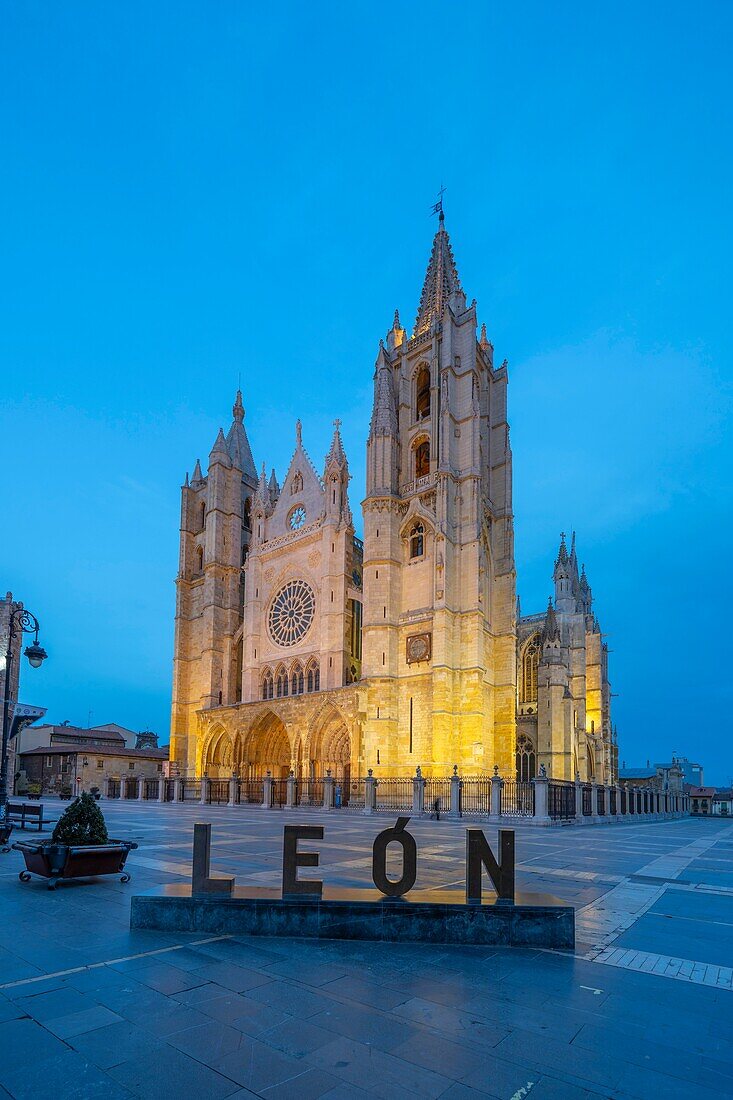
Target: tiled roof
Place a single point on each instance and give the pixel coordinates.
(637, 773)
(99, 750)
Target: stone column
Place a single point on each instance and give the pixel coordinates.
(418, 794)
(594, 819)
(140, 788)
(290, 791)
(267, 792)
(161, 789)
(233, 790)
(619, 815)
(455, 793)
(328, 790)
(579, 818)
(107, 793)
(204, 790)
(370, 793)
(541, 786)
(496, 784)
(178, 790)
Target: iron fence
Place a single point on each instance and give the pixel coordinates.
(475, 796)
(250, 791)
(150, 789)
(437, 797)
(170, 790)
(218, 791)
(130, 788)
(354, 795)
(587, 800)
(394, 794)
(113, 788)
(560, 800)
(601, 800)
(191, 790)
(517, 798)
(612, 801)
(624, 800)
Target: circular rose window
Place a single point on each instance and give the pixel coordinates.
(291, 613)
(297, 518)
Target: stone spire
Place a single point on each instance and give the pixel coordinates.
(484, 340)
(261, 499)
(384, 410)
(237, 443)
(273, 488)
(219, 452)
(197, 475)
(441, 282)
(336, 455)
(551, 629)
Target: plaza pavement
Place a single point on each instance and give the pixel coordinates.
(644, 1006)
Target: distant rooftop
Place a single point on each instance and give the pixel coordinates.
(637, 773)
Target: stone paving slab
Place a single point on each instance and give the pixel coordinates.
(99, 1010)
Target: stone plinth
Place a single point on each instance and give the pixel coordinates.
(425, 916)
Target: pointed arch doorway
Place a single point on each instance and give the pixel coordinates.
(265, 747)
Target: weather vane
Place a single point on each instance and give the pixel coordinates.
(437, 208)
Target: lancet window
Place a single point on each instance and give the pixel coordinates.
(296, 680)
(417, 541)
(282, 683)
(313, 677)
(267, 684)
(422, 459)
(530, 667)
(526, 759)
(422, 394)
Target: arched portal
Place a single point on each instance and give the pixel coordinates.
(218, 757)
(265, 747)
(329, 746)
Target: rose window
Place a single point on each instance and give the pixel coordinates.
(291, 613)
(297, 518)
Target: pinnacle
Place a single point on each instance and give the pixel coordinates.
(336, 453)
(441, 282)
(238, 407)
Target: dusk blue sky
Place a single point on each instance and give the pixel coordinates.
(197, 191)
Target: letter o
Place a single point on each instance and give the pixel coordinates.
(395, 835)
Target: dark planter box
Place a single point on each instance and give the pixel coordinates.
(63, 861)
(5, 831)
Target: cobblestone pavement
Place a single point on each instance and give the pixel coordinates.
(643, 1006)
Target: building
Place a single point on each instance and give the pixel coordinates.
(75, 767)
(701, 800)
(299, 646)
(564, 696)
(692, 774)
(660, 777)
(723, 804)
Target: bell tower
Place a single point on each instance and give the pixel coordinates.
(439, 580)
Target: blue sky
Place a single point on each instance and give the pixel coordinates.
(194, 192)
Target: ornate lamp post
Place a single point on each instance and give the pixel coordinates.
(21, 622)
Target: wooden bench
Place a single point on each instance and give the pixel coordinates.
(28, 812)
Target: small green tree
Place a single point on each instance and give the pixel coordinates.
(81, 823)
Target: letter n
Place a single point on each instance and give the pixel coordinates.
(479, 857)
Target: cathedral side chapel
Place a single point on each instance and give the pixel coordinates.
(298, 646)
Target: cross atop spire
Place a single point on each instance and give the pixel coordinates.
(441, 279)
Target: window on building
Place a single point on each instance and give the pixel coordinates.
(356, 618)
(281, 684)
(422, 404)
(530, 668)
(313, 677)
(296, 680)
(131, 766)
(422, 459)
(100, 763)
(202, 516)
(247, 519)
(267, 684)
(49, 761)
(160, 767)
(525, 759)
(199, 559)
(417, 541)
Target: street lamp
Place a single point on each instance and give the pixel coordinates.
(21, 622)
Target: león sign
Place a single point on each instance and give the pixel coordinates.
(479, 858)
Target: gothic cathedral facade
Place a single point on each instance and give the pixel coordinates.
(300, 647)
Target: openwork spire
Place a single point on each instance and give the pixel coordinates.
(441, 282)
(237, 442)
(384, 410)
(336, 454)
(551, 631)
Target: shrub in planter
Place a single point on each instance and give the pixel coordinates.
(81, 823)
(65, 792)
(79, 847)
(34, 790)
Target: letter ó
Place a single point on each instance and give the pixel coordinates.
(396, 835)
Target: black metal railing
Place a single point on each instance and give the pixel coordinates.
(475, 796)
(150, 789)
(601, 799)
(436, 797)
(250, 791)
(560, 800)
(517, 798)
(218, 792)
(130, 788)
(394, 794)
(191, 790)
(587, 800)
(612, 801)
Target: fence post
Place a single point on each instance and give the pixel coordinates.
(579, 815)
(161, 788)
(418, 793)
(140, 788)
(204, 790)
(496, 784)
(290, 791)
(541, 785)
(178, 790)
(267, 792)
(455, 793)
(328, 785)
(370, 793)
(594, 819)
(619, 816)
(232, 790)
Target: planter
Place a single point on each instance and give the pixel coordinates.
(64, 861)
(5, 831)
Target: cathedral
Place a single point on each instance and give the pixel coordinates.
(300, 646)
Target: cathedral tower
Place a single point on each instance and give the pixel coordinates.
(439, 579)
(214, 540)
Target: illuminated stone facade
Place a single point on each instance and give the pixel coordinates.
(297, 646)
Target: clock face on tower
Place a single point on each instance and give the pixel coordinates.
(297, 518)
(291, 613)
